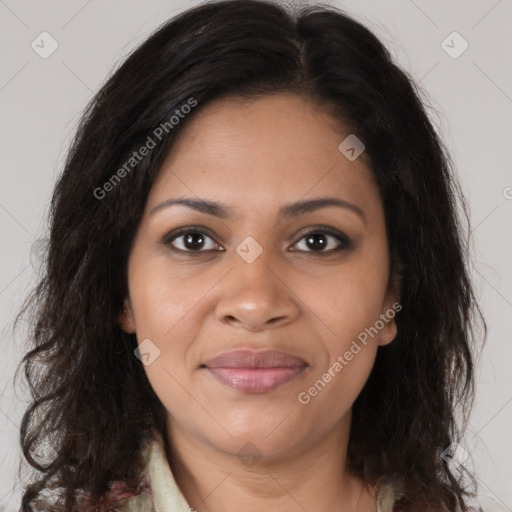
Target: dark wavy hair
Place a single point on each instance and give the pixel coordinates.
(91, 398)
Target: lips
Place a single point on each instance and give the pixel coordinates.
(254, 371)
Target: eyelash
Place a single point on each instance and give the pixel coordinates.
(344, 241)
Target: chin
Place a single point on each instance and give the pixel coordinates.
(261, 440)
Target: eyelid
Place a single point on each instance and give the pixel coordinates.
(324, 229)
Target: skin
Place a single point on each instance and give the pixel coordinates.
(255, 156)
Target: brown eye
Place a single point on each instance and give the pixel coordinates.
(324, 240)
(191, 240)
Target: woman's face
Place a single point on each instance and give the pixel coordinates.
(261, 275)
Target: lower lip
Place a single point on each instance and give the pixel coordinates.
(255, 380)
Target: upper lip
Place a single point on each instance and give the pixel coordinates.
(247, 358)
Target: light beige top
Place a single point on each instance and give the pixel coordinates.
(166, 495)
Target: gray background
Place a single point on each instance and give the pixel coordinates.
(471, 97)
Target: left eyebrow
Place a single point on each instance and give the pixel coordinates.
(300, 207)
(287, 211)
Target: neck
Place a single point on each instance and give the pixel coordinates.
(313, 477)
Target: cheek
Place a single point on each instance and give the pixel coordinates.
(163, 294)
(329, 395)
(165, 308)
(349, 305)
(346, 303)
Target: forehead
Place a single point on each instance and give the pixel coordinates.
(261, 152)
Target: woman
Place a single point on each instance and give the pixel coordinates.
(255, 293)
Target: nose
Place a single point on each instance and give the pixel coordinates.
(256, 296)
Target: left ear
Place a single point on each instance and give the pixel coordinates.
(391, 306)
